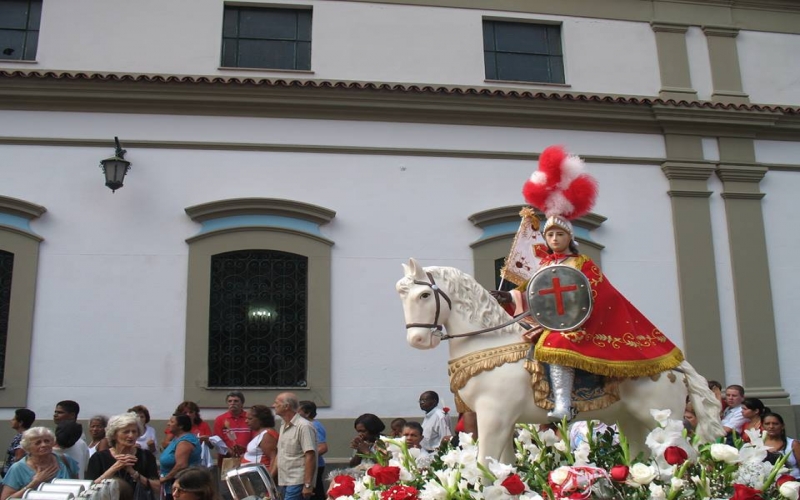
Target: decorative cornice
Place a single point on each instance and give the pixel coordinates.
(239, 229)
(16, 230)
(677, 193)
(665, 27)
(741, 173)
(694, 171)
(260, 206)
(721, 31)
(510, 213)
(734, 195)
(21, 208)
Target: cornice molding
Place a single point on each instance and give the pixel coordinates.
(16, 230)
(695, 171)
(510, 213)
(240, 229)
(260, 206)
(721, 31)
(733, 195)
(741, 173)
(678, 193)
(21, 208)
(665, 27)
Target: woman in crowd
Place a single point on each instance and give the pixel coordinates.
(97, 431)
(753, 410)
(369, 428)
(779, 444)
(147, 441)
(21, 421)
(183, 451)
(194, 483)
(124, 460)
(264, 446)
(308, 410)
(199, 428)
(40, 466)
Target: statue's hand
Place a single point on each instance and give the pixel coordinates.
(501, 296)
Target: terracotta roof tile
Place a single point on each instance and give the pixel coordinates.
(392, 87)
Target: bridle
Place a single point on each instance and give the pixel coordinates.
(437, 329)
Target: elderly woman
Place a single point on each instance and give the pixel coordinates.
(97, 431)
(182, 452)
(40, 466)
(124, 460)
(264, 446)
(21, 421)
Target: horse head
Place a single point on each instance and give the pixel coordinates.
(425, 304)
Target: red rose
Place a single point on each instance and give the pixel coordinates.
(675, 455)
(619, 473)
(384, 475)
(513, 484)
(784, 478)
(446, 410)
(343, 486)
(400, 492)
(742, 492)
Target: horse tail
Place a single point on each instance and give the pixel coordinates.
(706, 406)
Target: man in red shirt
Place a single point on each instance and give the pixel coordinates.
(232, 426)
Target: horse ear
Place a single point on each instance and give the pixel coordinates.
(416, 270)
(406, 269)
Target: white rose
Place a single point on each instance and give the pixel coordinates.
(559, 475)
(657, 492)
(642, 474)
(790, 490)
(677, 483)
(724, 453)
(560, 446)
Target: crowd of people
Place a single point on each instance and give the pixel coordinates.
(126, 448)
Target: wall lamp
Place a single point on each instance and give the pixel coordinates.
(115, 167)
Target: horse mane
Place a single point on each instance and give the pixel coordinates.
(474, 301)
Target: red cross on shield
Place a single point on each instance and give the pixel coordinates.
(559, 297)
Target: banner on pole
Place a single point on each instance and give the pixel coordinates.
(522, 261)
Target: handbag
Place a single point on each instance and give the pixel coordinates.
(141, 492)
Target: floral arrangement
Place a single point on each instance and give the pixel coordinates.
(600, 467)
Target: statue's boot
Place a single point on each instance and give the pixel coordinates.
(561, 380)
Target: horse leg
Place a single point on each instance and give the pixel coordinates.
(495, 432)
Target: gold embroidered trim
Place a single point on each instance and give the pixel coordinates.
(464, 368)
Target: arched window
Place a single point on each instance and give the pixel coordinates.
(499, 226)
(258, 301)
(19, 263)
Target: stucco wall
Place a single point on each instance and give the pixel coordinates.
(112, 275)
(770, 66)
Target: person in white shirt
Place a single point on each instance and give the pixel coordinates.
(436, 424)
(732, 418)
(69, 434)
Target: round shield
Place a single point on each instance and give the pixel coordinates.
(559, 297)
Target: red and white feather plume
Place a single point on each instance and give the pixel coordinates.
(560, 185)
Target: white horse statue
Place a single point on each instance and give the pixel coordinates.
(489, 371)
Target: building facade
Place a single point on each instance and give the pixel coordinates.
(288, 156)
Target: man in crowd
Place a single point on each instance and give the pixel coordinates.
(296, 462)
(732, 418)
(435, 425)
(69, 433)
(232, 426)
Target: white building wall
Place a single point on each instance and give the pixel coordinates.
(780, 209)
(699, 65)
(112, 275)
(770, 66)
(351, 41)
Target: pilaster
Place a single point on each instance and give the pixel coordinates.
(755, 319)
(688, 176)
(673, 61)
(724, 59)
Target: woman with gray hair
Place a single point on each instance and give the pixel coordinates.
(124, 460)
(40, 466)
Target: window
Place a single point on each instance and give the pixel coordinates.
(6, 274)
(523, 52)
(19, 263)
(258, 319)
(258, 314)
(19, 29)
(266, 38)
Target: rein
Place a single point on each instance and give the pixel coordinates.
(437, 328)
